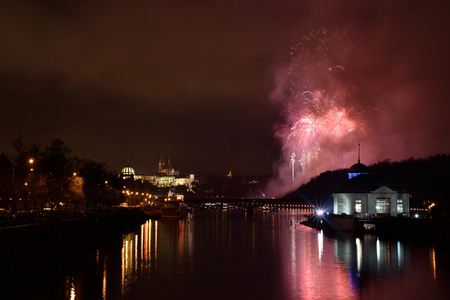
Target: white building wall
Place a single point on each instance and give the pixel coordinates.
(349, 203)
(366, 203)
(393, 205)
(342, 203)
(405, 199)
(185, 181)
(345, 202)
(165, 181)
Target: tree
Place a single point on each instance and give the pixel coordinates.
(96, 188)
(6, 175)
(26, 154)
(54, 176)
(76, 192)
(56, 164)
(36, 191)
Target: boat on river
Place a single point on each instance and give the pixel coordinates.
(153, 211)
(170, 208)
(269, 208)
(174, 209)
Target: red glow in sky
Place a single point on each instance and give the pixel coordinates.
(122, 81)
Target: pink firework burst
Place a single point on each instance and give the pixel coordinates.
(321, 121)
(322, 117)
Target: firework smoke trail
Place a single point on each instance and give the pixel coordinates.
(324, 123)
(293, 166)
(322, 118)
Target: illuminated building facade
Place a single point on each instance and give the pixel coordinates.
(141, 189)
(365, 194)
(167, 176)
(167, 168)
(127, 173)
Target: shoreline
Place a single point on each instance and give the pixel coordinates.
(416, 230)
(34, 244)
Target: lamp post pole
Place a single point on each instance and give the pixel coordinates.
(29, 188)
(12, 192)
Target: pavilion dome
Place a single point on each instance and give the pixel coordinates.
(359, 168)
(127, 172)
(365, 182)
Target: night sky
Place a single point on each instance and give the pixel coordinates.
(123, 81)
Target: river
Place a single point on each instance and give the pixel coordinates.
(228, 254)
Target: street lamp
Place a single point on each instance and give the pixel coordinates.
(31, 162)
(28, 187)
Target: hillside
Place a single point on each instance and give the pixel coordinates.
(426, 179)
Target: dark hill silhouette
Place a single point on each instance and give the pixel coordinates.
(426, 179)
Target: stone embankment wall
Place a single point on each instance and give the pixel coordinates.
(36, 244)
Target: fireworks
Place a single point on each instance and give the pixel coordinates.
(325, 122)
(322, 111)
(319, 60)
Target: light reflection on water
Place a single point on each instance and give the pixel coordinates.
(231, 255)
(225, 254)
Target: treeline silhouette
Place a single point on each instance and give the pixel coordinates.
(36, 178)
(426, 179)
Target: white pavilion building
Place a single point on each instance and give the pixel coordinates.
(366, 194)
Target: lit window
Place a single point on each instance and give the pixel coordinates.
(358, 206)
(399, 206)
(383, 205)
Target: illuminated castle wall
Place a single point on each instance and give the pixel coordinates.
(167, 176)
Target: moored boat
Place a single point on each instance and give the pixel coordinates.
(152, 211)
(174, 209)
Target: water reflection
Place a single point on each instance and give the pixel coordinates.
(312, 270)
(231, 255)
(370, 255)
(143, 251)
(70, 288)
(234, 247)
(433, 261)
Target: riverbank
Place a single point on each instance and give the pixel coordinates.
(417, 230)
(420, 230)
(27, 242)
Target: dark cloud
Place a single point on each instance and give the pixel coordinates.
(124, 81)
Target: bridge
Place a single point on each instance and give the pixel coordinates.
(251, 203)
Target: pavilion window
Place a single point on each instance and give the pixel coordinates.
(399, 206)
(383, 204)
(358, 206)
